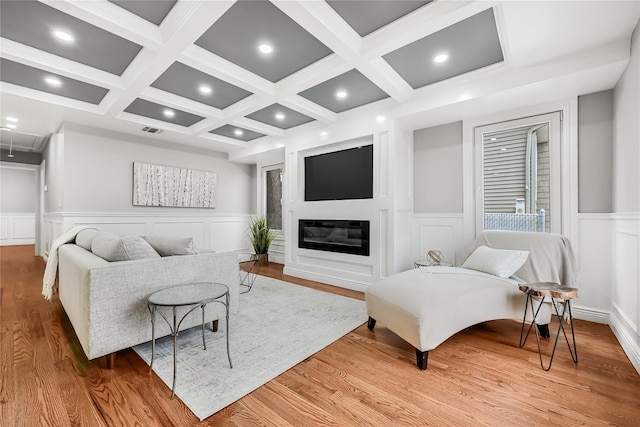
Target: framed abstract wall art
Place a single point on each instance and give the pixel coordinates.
(158, 185)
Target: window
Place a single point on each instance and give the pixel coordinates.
(273, 196)
(520, 190)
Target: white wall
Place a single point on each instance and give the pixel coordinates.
(90, 180)
(17, 188)
(625, 294)
(17, 203)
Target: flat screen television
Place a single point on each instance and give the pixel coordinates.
(339, 175)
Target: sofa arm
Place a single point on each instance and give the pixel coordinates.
(118, 314)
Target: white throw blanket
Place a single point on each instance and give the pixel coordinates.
(49, 278)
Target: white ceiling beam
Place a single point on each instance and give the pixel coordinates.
(36, 58)
(204, 126)
(309, 108)
(257, 126)
(386, 78)
(180, 103)
(207, 62)
(419, 24)
(501, 77)
(145, 71)
(148, 121)
(49, 98)
(316, 73)
(322, 22)
(225, 140)
(246, 106)
(182, 12)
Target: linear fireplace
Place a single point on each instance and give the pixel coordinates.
(346, 236)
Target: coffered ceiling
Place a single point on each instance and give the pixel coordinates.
(224, 74)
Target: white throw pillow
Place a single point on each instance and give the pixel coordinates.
(499, 262)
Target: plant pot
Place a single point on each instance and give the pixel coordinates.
(263, 259)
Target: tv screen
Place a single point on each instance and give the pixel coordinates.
(340, 175)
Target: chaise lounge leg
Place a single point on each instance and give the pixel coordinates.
(371, 323)
(111, 360)
(544, 331)
(421, 359)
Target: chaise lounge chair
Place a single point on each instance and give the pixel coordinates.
(425, 306)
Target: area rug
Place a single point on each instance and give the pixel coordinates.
(278, 326)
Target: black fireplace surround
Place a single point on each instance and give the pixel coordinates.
(346, 236)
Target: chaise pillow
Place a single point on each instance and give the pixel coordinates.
(499, 262)
(169, 246)
(113, 248)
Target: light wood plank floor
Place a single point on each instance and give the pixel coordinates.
(478, 377)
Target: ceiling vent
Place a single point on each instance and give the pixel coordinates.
(149, 129)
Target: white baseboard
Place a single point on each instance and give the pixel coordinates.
(330, 280)
(590, 314)
(626, 340)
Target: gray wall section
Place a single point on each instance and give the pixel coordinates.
(626, 134)
(98, 173)
(437, 169)
(595, 152)
(17, 190)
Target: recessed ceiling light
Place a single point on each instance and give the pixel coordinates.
(381, 119)
(503, 149)
(63, 35)
(494, 139)
(205, 90)
(440, 58)
(280, 116)
(341, 94)
(52, 81)
(265, 48)
(169, 113)
(324, 133)
(11, 126)
(238, 132)
(12, 119)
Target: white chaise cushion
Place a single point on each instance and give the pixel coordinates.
(499, 262)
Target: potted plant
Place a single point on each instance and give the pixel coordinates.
(261, 236)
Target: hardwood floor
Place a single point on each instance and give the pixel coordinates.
(478, 377)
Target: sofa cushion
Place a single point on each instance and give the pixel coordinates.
(85, 237)
(169, 246)
(114, 248)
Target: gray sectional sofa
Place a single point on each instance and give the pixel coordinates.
(105, 296)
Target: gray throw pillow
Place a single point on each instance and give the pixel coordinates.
(169, 246)
(85, 237)
(126, 248)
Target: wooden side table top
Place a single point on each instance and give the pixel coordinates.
(549, 289)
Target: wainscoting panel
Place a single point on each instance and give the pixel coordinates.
(625, 289)
(594, 253)
(383, 248)
(383, 161)
(181, 228)
(625, 312)
(230, 234)
(17, 229)
(219, 232)
(442, 232)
